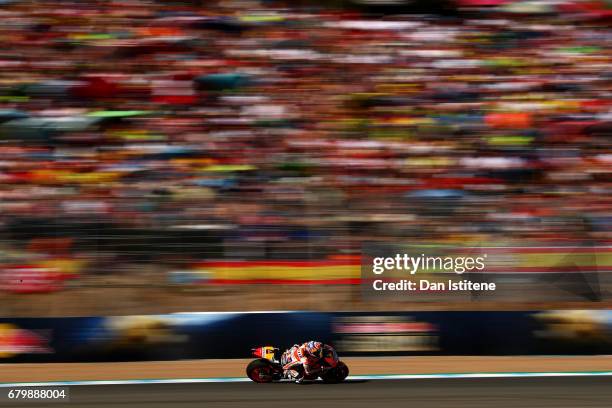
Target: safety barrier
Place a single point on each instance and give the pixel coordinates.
(232, 335)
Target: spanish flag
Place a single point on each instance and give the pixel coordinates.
(328, 271)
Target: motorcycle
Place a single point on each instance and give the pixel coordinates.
(267, 368)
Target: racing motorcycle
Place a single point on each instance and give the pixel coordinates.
(267, 368)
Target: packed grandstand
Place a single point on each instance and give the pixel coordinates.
(174, 140)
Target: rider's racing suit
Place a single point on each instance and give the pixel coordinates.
(312, 356)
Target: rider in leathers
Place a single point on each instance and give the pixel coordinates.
(306, 360)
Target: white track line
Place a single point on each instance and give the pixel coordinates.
(353, 377)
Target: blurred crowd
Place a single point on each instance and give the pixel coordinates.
(172, 131)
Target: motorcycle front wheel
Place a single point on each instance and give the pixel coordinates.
(336, 374)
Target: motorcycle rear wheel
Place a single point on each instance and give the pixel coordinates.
(261, 371)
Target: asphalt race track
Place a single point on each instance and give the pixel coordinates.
(574, 392)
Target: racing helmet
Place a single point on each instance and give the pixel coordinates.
(315, 348)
